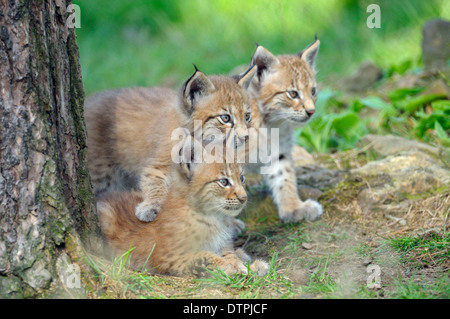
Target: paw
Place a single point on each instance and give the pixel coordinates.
(259, 267)
(308, 210)
(146, 212)
(234, 267)
(238, 227)
(242, 255)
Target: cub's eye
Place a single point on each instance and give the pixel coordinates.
(224, 182)
(248, 117)
(313, 91)
(242, 179)
(292, 94)
(224, 118)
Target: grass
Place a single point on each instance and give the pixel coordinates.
(251, 285)
(117, 280)
(413, 289)
(421, 250)
(320, 282)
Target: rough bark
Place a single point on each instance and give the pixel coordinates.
(46, 200)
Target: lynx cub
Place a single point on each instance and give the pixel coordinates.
(194, 227)
(283, 95)
(129, 131)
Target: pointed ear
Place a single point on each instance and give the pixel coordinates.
(264, 60)
(244, 79)
(195, 88)
(191, 153)
(309, 54)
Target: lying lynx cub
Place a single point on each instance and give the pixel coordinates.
(129, 131)
(283, 95)
(194, 227)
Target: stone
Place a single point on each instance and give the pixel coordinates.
(367, 261)
(438, 87)
(38, 276)
(319, 177)
(436, 43)
(385, 145)
(392, 179)
(306, 192)
(363, 78)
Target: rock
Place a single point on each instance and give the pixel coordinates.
(367, 261)
(10, 288)
(408, 174)
(299, 276)
(412, 172)
(307, 246)
(391, 180)
(438, 87)
(363, 78)
(38, 276)
(436, 43)
(318, 177)
(306, 192)
(390, 145)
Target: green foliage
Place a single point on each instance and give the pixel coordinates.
(331, 128)
(144, 43)
(340, 123)
(124, 43)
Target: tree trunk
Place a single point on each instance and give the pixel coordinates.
(47, 207)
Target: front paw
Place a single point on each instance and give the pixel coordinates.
(147, 212)
(259, 267)
(307, 210)
(234, 267)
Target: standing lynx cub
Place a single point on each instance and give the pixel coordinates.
(130, 131)
(194, 227)
(283, 95)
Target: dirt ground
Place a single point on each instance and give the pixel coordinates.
(347, 253)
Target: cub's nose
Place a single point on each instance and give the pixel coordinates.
(310, 112)
(242, 134)
(242, 199)
(244, 138)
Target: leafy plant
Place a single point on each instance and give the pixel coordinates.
(340, 123)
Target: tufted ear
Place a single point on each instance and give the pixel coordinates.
(244, 79)
(309, 54)
(264, 61)
(191, 156)
(196, 87)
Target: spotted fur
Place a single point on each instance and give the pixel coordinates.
(283, 95)
(130, 131)
(194, 228)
